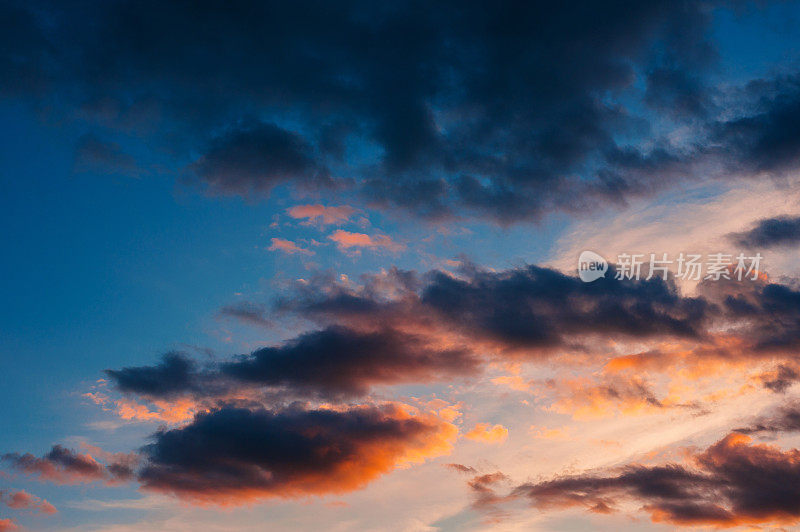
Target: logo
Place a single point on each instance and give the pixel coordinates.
(591, 266)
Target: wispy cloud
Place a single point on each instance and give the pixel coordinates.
(324, 215)
(288, 247)
(346, 240)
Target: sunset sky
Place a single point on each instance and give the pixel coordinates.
(315, 266)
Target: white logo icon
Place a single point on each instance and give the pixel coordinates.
(591, 266)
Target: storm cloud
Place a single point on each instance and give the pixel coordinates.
(771, 232)
(336, 362)
(505, 110)
(232, 455)
(529, 308)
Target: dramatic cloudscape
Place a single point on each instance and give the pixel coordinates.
(402, 266)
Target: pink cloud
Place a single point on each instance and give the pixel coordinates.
(348, 240)
(287, 246)
(66, 466)
(333, 215)
(22, 500)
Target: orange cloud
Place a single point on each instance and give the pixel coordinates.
(173, 411)
(177, 411)
(486, 433)
(347, 240)
(544, 433)
(332, 215)
(7, 524)
(291, 453)
(515, 382)
(586, 398)
(287, 246)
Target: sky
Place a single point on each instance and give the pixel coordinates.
(317, 265)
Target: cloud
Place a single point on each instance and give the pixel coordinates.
(781, 379)
(698, 220)
(450, 326)
(287, 246)
(231, 456)
(765, 139)
(339, 360)
(461, 468)
(96, 155)
(247, 312)
(484, 490)
(439, 109)
(527, 309)
(500, 315)
(731, 483)
(173, 375)
(326, 215)
(346, 240)
(22, 500)
(531, 313)
(168, 410)
(770, 232)
(783, 419)
(534, 312)
(677, 92)
(768, 313)
(65, 466)
(486, 433)
(592, 398)
(256, 157)
(7, 524)
(329, 363)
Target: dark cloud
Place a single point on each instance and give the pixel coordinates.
(770, 232)
(175, 374)
(783, 419)
(234, 455)
(677, 92)
(522, 308)
(255, 157)
(247, 312)
(540, 306)
(781, 379)
(96, 155)
(766, 139)
(768, 313)
(535, 312)
(446, 326)
(731, 483)
(339, 360)
(330, 363)
(507, 110)
(66, 466)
